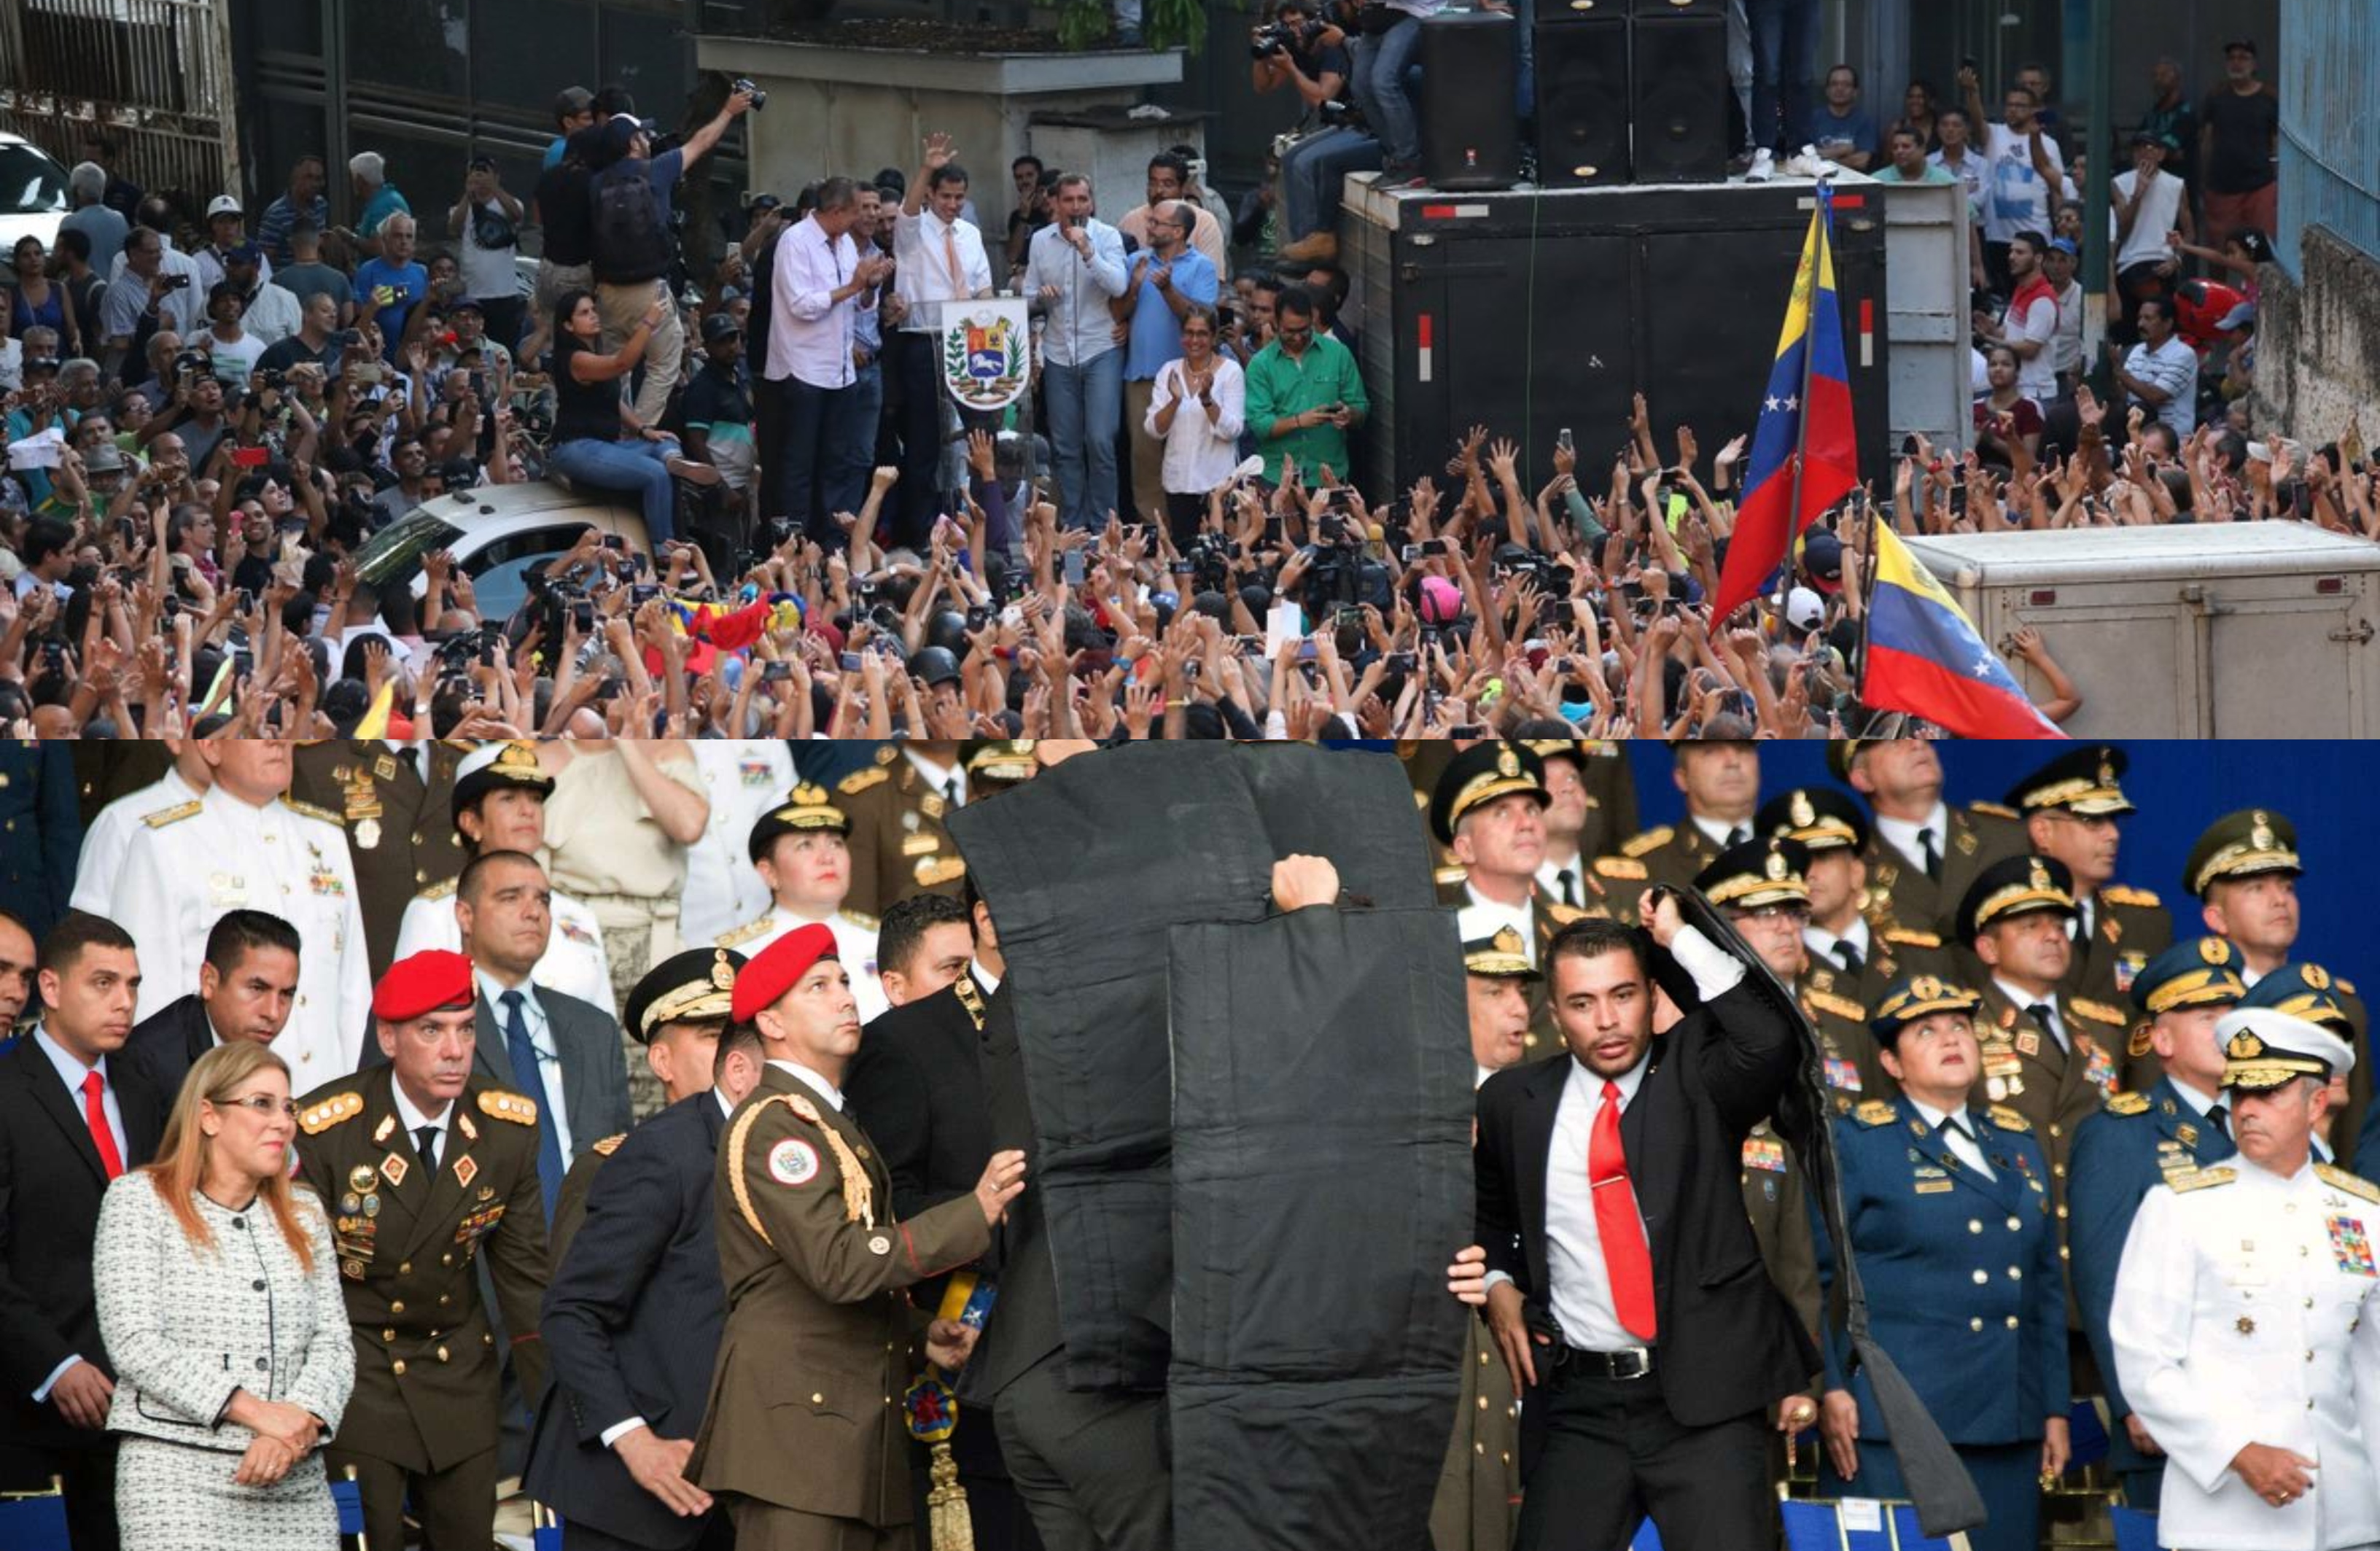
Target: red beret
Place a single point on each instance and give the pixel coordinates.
(774, 969)
(423, 983)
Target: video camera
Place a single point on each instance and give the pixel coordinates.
(1276, 37)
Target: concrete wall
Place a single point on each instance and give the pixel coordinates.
(2318, 355)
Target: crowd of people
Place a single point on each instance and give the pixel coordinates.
(264, 1002)
(211, 421)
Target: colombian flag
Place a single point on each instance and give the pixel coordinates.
(1925, 658)
(1806, 422)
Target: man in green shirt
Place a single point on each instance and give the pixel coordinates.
(1909, 161)
(1304, 393)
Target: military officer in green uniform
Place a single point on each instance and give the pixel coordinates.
(1722, 784)
(426, 1168)
(898, 846)
(2244, 872)
(1593, 804)
(2072, 809)
(803, 1434)
(1849, 956)
(1924, 855)
(393, 802)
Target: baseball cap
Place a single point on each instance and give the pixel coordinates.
(719, 326)
(246, 253)
(2064, 246)
(223, 204)
(2240, 45)
(1803, 609)
(618, 131)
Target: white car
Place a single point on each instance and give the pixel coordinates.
(32, 193)
(496, 534)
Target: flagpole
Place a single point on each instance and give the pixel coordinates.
(1825, 217)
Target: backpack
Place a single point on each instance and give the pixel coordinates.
(630, 244)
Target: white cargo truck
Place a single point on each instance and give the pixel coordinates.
(2237, 630)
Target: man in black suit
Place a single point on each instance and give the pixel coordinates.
(248, 985)
(71, 1120)
(1626, 1291)
(561, 1051)
(918, 1084)
(632, 1320)
(17, 953)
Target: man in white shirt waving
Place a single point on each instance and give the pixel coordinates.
(942, 258)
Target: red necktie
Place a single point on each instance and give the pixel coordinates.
(93, 1084)
(1625, 1259)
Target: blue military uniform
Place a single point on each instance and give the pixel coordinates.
(1964, 1290)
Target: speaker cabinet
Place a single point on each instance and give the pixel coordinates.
(1583, 102)
(1470, 66)
(1681, 99)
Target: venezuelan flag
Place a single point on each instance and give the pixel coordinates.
(1925, 658)
(1806, 424)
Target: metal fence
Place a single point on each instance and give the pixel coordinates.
(153, 76)
(2330, 126)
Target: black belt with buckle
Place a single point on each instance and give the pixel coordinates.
(1636, 1362)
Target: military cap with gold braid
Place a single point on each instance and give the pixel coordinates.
(493, 767)
(1909, 998)
(1821, 818)
(2264, 1049)
(2018, 886)
(2084, 782)
(2305, 991)
(1008, 760)
(2244, 844)
(1478, 776)
(806, 808)
(694, 987)
(1770, 870)
(2198, 972)
(1502, 957)
(1844, 753)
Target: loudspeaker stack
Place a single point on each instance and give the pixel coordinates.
(1631, 91)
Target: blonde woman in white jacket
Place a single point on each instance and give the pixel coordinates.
(219, 1300)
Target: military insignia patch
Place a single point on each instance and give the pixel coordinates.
(880, 1244)
(393, 1169)
(2351, 1247)
(466, 1169)
(1841, 1075)
(1763, 1153)
(792, 1162)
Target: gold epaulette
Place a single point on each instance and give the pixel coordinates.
(316, 1119)
(2354, 1184)
(607, 1145)
(1563, 914)
(2127, 1103)
(439, 891)
(858, 781)
(861, 918)
(970, 997)
(2008, 1118)
(1874, 1112)
(859, 1193)
(1651, 840)
(1841, 1007)
(932, 872)
(1907, 938)
(2346, 985)
(519, 1108)
(310, 810)
(174, 815)
(2201, 1179)
(744, 933)
(1447, 877)
(1997, 810)
(2118, 893)
(885, 754)
(1621, 866)
(2097, 1012)
(1421, 799)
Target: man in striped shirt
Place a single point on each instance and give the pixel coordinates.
(2161, 373)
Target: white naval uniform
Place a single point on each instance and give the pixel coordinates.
(187, 866)
(575, 963)
(854, 944)
(2247, 1310)
(103, 844)
(747, 777)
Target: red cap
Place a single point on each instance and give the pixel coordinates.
(425, 982)
(773, 971)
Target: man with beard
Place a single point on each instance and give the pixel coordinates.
(1925, 855)
(1721, 782)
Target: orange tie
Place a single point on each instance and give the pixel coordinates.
(951, 257)
(1626, 1261)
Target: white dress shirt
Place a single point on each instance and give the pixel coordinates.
(71, 1071)
(1962, 1138)
(925, 279)
(545, 1085)
(412, 1118)
(983, 976)
(576, 963)
(1827, 944)
(1550, 873)
(948, 781)
(2026, 1002)
(1719, 832)
(826, 1090)
(809, 334)
(1902, 835)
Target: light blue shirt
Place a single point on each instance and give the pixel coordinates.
(1156, 331)
(71, 1073)
(1080, 328)
(545, 1085)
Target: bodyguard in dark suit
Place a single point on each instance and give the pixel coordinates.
(63, 1137)
(248, 987)
(1626, 1291)
(632, 1320)
(40, 833)
(2140, 1140)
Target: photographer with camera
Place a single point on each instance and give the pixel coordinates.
(487, 220)
(1304, 49)
(633, 196)
(147, 298)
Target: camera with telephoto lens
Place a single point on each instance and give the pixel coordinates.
(1278, 36)
(744, 84)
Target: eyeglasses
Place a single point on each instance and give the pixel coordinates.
(263, 1106)
(1773, 913)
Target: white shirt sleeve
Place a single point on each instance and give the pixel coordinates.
(1716, 971)
(612, 1436)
